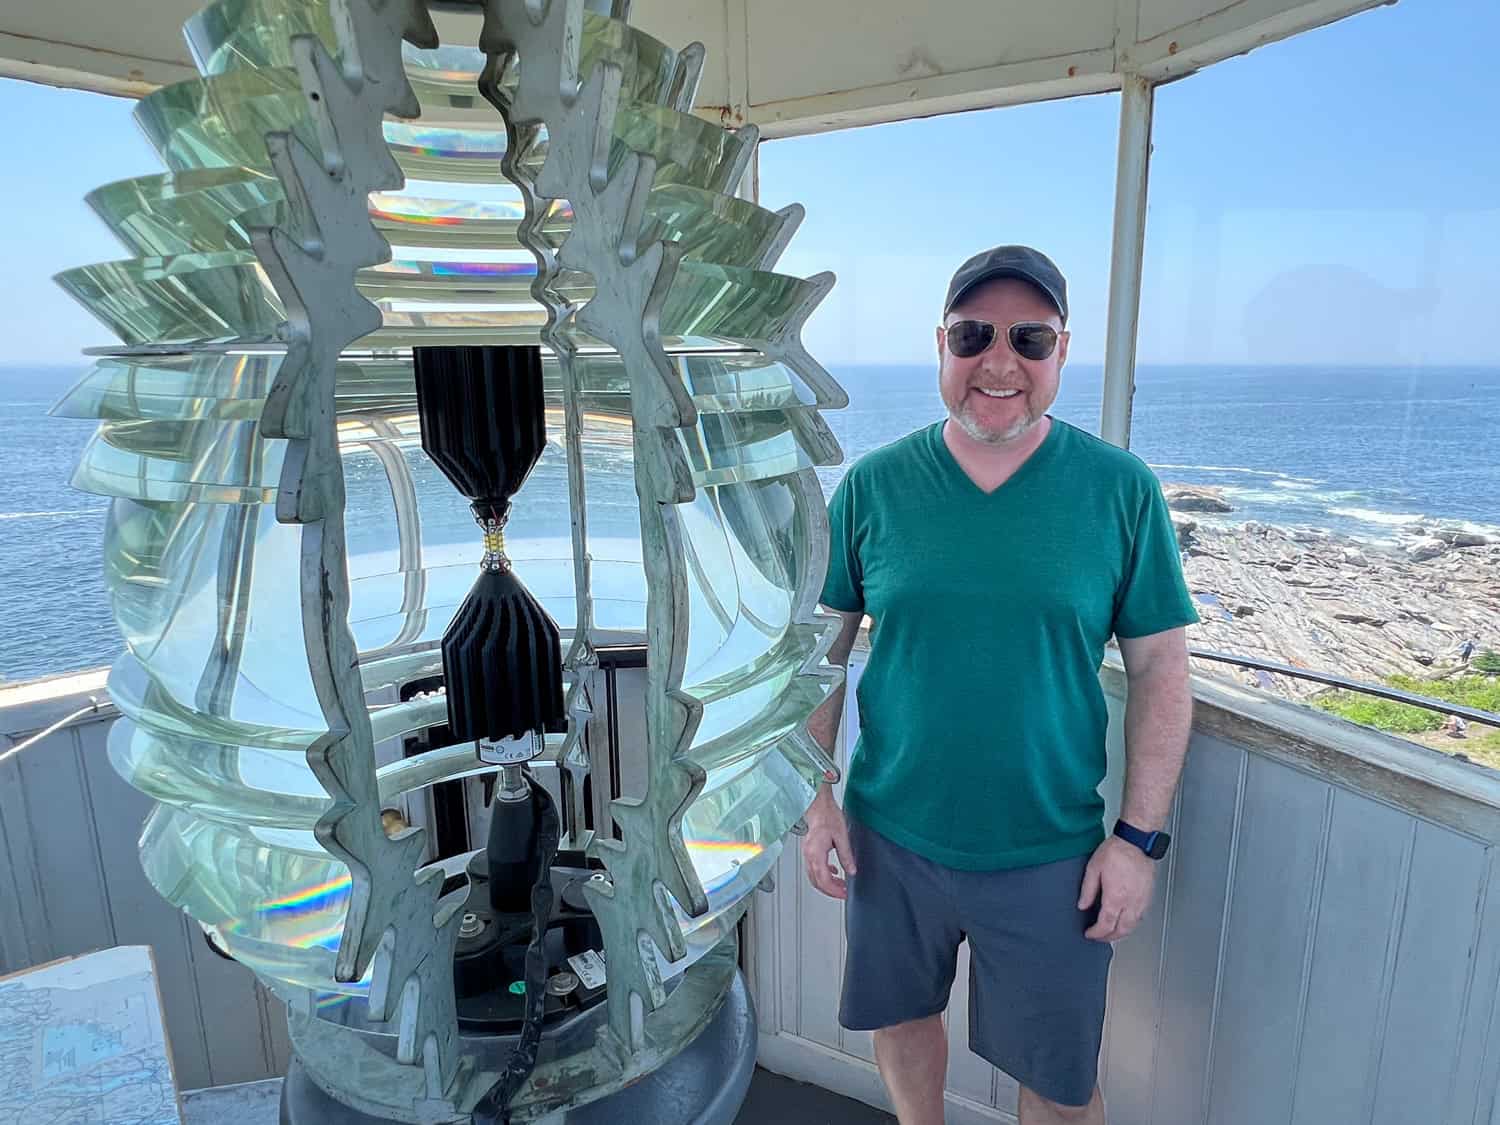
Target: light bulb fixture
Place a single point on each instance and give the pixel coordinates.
(484, 425)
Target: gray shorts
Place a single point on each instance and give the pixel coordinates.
(1036, 984)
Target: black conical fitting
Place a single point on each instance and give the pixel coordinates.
(484, 424)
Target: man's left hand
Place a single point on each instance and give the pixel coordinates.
(1120, 878)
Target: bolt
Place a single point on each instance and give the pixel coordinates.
(560, 984)
(392, 821)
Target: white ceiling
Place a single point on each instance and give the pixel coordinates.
(791, 66)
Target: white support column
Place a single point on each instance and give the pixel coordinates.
(1125, 263)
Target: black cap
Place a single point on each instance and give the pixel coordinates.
(1010, 261)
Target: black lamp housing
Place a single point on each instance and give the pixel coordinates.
(484, 425)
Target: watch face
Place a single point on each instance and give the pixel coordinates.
(1159, 842)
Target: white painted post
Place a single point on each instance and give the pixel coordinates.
(1131, 171)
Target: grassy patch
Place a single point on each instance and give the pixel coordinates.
(1483, 748)
(1488, 661)
(1382, 714)
(1482, 692)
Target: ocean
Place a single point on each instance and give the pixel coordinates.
(1362, 452)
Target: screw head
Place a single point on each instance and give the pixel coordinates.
(560, 984)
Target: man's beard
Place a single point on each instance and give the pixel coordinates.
(971, 426)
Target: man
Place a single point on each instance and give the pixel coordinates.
(997, 552)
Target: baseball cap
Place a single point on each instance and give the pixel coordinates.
(1010, 261)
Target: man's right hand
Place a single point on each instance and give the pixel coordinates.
(827, 831)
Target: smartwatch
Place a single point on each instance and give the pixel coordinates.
(1154, 844)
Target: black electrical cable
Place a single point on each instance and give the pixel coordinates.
(494, 1107)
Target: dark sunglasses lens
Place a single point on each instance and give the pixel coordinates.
(969, 337)
(1033, 341)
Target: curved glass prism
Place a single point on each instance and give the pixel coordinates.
(215, 463)
(258, 787)
(233, 386)
(226, 296)
(188, 298)
(198, 211)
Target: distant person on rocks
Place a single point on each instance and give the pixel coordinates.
(997, 552)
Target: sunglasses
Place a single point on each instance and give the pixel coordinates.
(1030, 339)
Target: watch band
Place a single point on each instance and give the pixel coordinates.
(1154, 844)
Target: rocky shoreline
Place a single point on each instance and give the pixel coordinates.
(1422, 606)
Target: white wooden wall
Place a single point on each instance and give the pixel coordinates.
(71, 881)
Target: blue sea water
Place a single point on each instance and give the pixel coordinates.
(1363, 452)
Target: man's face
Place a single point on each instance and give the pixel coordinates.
(996, 396)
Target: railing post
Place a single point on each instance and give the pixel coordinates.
(1131, 170)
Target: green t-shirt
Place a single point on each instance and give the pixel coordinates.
(982, 719)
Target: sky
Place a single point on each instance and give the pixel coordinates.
(1330, 199)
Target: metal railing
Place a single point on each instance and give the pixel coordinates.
(1380, 691)
(91, 709)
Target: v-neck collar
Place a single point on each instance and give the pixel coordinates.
(1037, 456)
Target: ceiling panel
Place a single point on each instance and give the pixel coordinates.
(790, 65)
(798, 50)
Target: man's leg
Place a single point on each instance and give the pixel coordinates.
(913, 1060)
(1037, 987)
(1037, 1110)
(902, 926)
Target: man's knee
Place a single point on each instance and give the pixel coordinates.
(1056, 1110)
(911, 1033)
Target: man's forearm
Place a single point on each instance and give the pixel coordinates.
(823, 723)
(1158, 723)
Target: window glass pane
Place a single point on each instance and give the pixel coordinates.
(893, 210)
(54, 613)
(1319, 380)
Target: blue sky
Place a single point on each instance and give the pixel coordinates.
(1333, 198)
(1330, 198)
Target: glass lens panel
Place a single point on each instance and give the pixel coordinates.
(196, 211)
(205, 387)
(278, 908)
